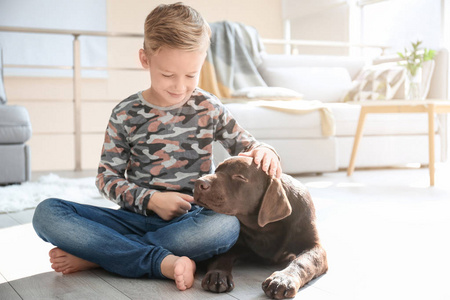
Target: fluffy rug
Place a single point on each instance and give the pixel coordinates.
(29, 194)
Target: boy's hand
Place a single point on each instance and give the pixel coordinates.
(267, 158)
(169, 205)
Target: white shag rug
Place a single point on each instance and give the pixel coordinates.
(28, 195)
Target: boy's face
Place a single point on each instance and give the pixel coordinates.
(174, 74)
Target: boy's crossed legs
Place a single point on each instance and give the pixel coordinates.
(180, 269)
(129, 244)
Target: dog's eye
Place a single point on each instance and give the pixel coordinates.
(240, 177)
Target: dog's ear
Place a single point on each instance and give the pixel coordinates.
(275, 205)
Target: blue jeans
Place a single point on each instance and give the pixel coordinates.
(130, 244)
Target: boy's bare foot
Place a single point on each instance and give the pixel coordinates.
(67, 263)
(180, 269)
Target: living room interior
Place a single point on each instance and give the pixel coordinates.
(380, 183)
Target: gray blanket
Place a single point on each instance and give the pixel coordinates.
(232, 60)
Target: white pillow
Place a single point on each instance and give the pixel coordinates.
(266, 93)
(315, 83)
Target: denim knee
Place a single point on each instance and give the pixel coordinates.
(219, 230)
(223, 236)
(229, 229)
(218, 235)
(42, 215)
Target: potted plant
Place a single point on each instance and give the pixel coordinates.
(413, 60)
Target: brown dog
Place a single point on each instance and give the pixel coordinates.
(278, 224)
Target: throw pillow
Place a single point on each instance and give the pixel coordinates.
(267, 93)
(376, 82)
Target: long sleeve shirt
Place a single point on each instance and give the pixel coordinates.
(149, 148)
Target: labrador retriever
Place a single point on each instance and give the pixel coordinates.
(278, 224)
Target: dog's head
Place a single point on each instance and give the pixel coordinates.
(241, 188)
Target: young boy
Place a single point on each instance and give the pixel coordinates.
(157, 143)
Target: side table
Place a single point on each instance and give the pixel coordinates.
(431, 107)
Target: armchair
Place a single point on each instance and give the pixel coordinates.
(15, 131)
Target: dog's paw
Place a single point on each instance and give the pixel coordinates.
(218, 281)
(281, 285)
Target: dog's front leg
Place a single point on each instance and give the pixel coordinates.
(218, 278)
(309, 264)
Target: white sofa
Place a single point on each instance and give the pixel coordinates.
(388, 139)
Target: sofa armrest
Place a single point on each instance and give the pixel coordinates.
(439, 80)
(439, 90)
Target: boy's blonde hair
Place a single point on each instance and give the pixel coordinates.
(175, 26)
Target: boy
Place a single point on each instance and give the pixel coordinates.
(157, 143)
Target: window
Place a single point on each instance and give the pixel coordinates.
(397, 23)
(51, 49)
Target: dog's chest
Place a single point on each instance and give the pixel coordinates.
(265, 242)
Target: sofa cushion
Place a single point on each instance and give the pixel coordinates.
(15, 126)
(267, 123)
(266, 93)
(352, 64)
(315, 83)
(347, 115)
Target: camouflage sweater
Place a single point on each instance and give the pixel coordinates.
(149, 148)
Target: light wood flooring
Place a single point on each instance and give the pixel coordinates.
(387, 234)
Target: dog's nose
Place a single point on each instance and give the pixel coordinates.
(203, 185)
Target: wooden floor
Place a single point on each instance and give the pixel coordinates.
(386, 233)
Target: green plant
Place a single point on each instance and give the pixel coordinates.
(414, 59)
